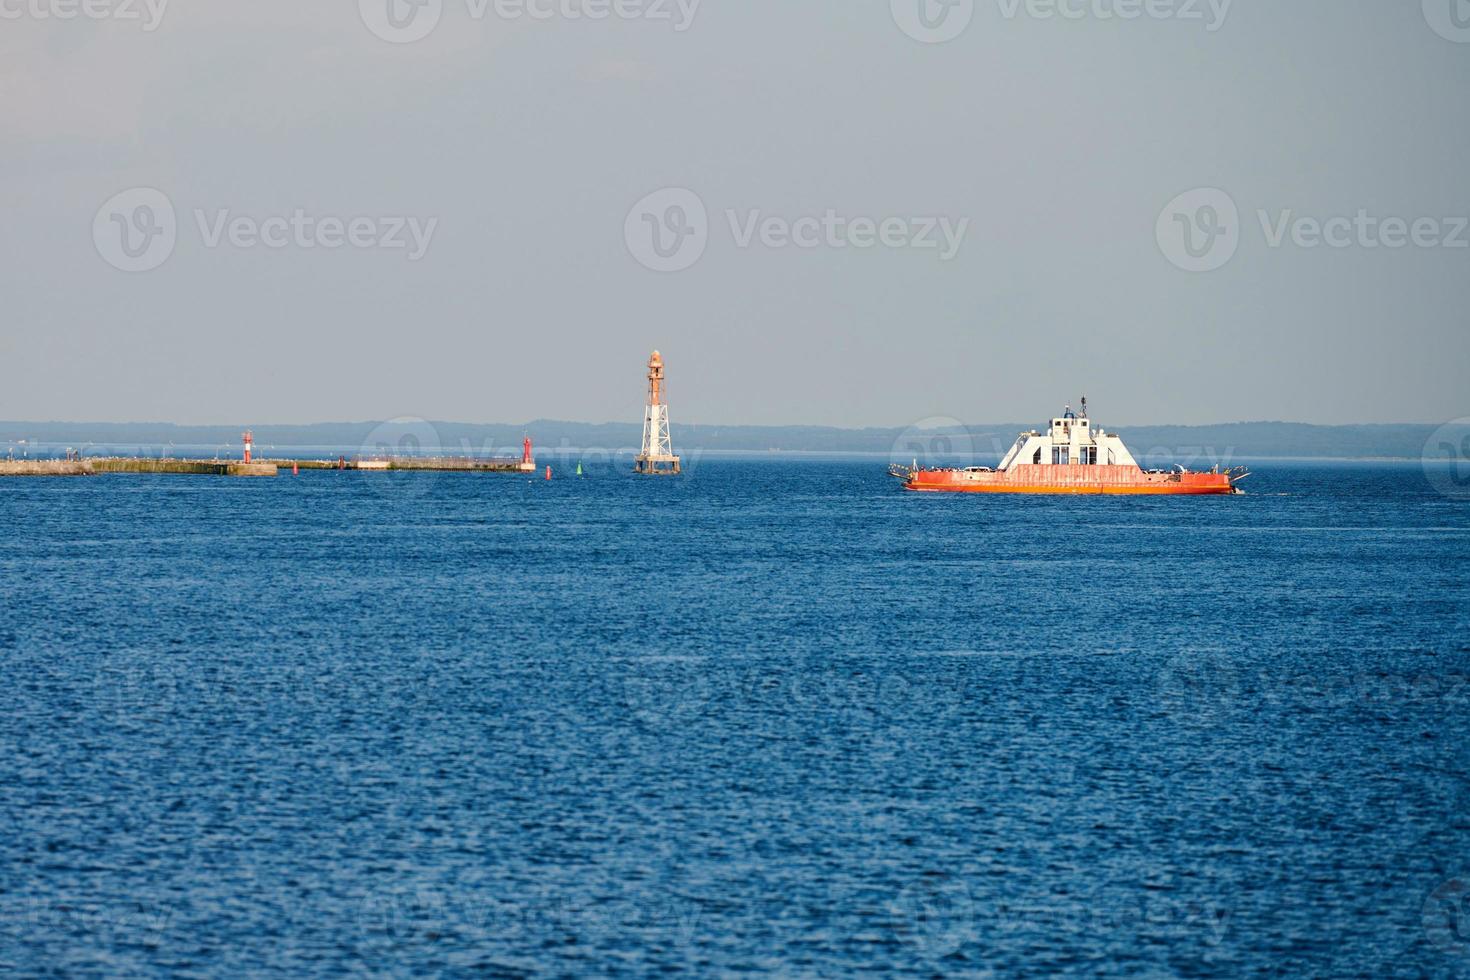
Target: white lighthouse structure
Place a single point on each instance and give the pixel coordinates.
(657, 456)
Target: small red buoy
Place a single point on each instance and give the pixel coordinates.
(294, 470)
(548, 472)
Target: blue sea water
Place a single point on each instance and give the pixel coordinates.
(766, 717)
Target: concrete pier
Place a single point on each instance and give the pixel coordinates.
(441, 464)
(446, 464)
(270, 467)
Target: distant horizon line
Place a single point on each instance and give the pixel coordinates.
(711, 425)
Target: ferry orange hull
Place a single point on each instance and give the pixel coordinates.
(1072, 479)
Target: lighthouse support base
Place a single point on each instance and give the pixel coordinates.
(657, 465)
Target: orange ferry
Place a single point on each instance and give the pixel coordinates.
(1074, 457)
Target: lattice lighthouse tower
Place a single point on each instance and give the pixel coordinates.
(657, 456)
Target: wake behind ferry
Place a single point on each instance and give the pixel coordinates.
(1072, 456)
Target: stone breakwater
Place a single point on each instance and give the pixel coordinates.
(91, 467)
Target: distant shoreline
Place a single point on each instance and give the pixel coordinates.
(1195, 446)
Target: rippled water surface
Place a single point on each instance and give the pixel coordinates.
(766, 717)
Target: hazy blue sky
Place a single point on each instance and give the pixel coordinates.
(520, 146)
